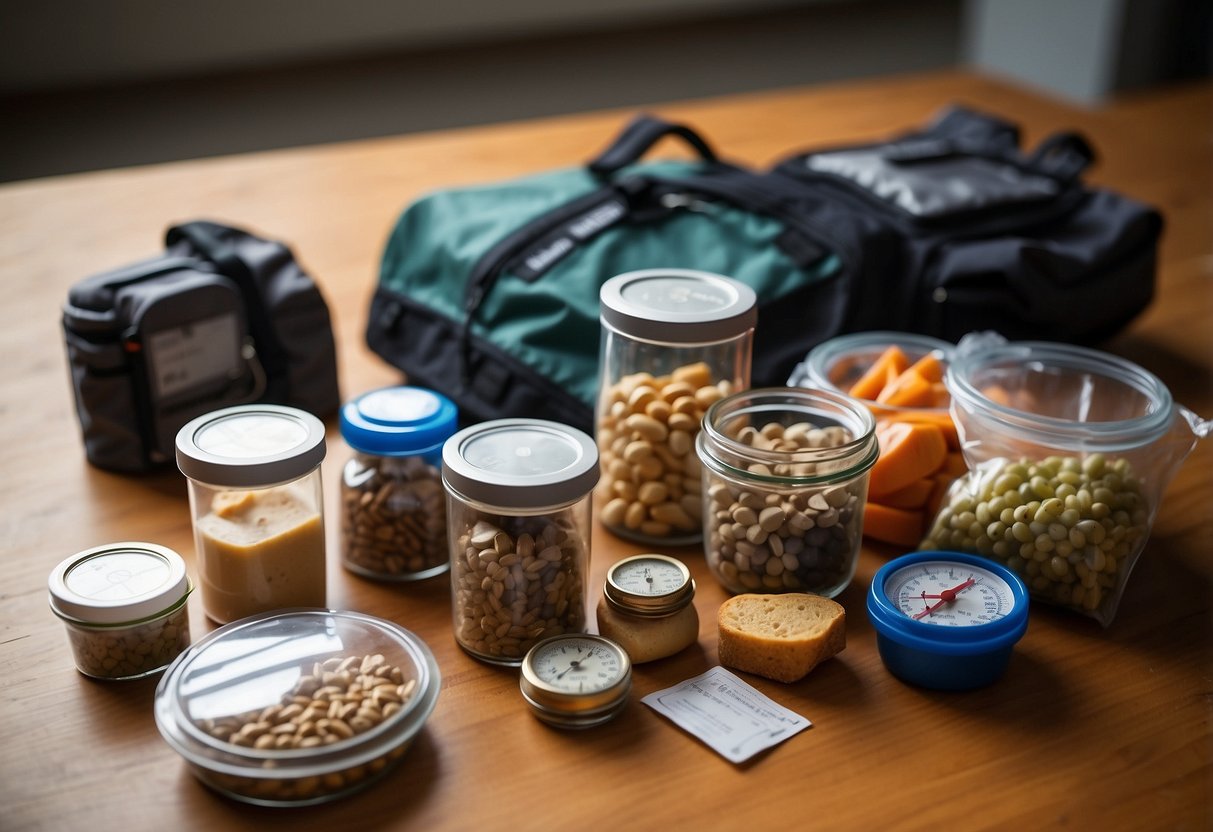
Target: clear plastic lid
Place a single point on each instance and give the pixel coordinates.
(520, 463)
(678, 306)
(230, 677)
(118, 583)
(398, 421)
(250, 446)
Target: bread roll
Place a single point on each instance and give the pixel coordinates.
(781, 637)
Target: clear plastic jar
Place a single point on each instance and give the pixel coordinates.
(1069, 451)
(124, 606)
(673, 342)
(785, 475)
(518, 520)
(393, 512)
(257, 508)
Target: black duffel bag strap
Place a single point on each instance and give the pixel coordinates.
(210, 241)
(1063, 156)
(642, 133)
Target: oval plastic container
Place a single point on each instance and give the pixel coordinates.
(1069, 451)
(838, 363)
(253, 707)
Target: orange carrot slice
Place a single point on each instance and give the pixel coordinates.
(909, 451)
(929, 367)
(877, 376)
(909, 389)
(954, 465)
(914, 495)
(892, 525)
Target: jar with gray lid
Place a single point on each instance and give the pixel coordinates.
(124, 606)
(257, 509)
(518, 522)
(393, 512)
(674, 341)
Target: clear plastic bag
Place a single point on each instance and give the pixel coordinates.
(1069, 451)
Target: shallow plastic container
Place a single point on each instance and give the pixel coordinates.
(297, 707)
(838, 363)
(785, 478)
(1069, 451)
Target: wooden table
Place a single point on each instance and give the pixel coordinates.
(1090, 728)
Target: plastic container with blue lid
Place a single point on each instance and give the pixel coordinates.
(393, 514)
(947, 620)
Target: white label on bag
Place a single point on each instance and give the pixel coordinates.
(187, 356)
(730, 716)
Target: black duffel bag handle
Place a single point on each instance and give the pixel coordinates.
(641, 134)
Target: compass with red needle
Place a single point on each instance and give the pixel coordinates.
(947, 620)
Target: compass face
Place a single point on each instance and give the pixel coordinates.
(578, 665)
(950, 594)
(646, 575)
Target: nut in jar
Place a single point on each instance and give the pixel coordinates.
(393, 510)
(785, 479)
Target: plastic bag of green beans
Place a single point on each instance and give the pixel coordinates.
(1069, 451)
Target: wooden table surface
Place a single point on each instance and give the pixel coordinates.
(1089, 729)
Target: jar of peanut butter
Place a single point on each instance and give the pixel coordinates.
(255, 500)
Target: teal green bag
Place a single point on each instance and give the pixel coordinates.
(490, 294)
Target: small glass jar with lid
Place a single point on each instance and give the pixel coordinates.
(257, 509)
(518, 524)
(124, 605)
(674, 341)
(393, 510)
(785, 474)
(647, 607)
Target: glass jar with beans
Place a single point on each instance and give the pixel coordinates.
(674, 342)
(785, 477)
(518, 525)
(1069, 450)
(393, 510)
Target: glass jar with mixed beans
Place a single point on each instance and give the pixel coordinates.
(393, 510)
(673, 342)
(518, 524)
(785, 477)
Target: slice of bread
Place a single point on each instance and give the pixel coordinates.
(781, 637)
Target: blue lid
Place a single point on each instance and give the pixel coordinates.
(398, 421)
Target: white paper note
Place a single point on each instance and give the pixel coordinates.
(733, 718)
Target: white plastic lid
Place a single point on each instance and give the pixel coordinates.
(118, 583)
(678, 305)
(250, 446)
(520, 463)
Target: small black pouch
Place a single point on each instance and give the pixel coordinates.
(221, 318)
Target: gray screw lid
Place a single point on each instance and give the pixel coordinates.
(678, 305)
(118, 583)
(250, 446)
(520, 463)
